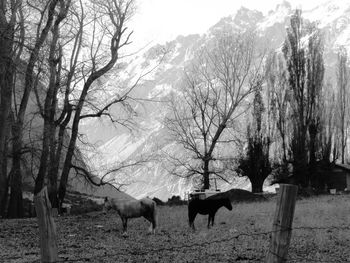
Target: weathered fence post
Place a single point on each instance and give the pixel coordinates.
(282, 224)
(47, 227)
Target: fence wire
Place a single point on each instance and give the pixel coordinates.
(206, 243)
(222, 240)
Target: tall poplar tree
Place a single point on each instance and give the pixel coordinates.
(303, 51)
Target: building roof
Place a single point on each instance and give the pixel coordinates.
(343, 166)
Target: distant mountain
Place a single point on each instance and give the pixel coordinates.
(119, 144)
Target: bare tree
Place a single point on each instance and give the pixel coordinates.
(43, 26)
(9, 13)
(48, 110)
(115, 32)
(66, 75)
(74, 64)
(62, 71)
(214, 90)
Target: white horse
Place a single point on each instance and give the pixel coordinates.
(145, 207)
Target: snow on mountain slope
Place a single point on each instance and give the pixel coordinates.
(150, 137)
(328, 13)
(279, 15)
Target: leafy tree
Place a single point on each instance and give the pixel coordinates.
(305, 80)
(342, 75)
(278, 97)
(294, 53)
(315, 75)
(255, 163)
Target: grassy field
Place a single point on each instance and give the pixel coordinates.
(238, 235)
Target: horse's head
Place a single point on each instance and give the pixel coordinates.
(227, 204)
(107, 205)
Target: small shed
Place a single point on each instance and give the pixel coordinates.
(340, 177)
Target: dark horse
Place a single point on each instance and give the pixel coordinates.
(136, 208)
(206, 207)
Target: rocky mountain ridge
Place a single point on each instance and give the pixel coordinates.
(120, 145)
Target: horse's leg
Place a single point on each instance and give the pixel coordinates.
(212, 219)
(209, 219)
(151, 228)
(153, 225)
(151, 218)
(125, 226)
(191, 217)
(154, 221)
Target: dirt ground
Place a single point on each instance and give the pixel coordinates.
(321, 233)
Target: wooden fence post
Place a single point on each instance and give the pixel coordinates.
(47, 227)
(282, 224)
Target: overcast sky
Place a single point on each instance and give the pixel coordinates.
(161, 20)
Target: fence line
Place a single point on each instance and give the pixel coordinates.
(222, 240)
(204, 243)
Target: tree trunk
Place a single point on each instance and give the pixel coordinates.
(15, 209)
(3, 154)
(312, 166)
(206, 174)
(257, 185)
(4, 190)
(300, 157)
(343, 150)
(49, 133)
(54, 165)
(335, 151)
(312, 149)
(258, 171)
(327, 148)
(342, 140)
(4, 185)
(39, 181)
(7, 69)
(74, 135)
(53, 168)
(16, 180)
(76, 120)
(116, 44)
(52, 171)
(47, 227)
(284, 147)
(69, 156)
